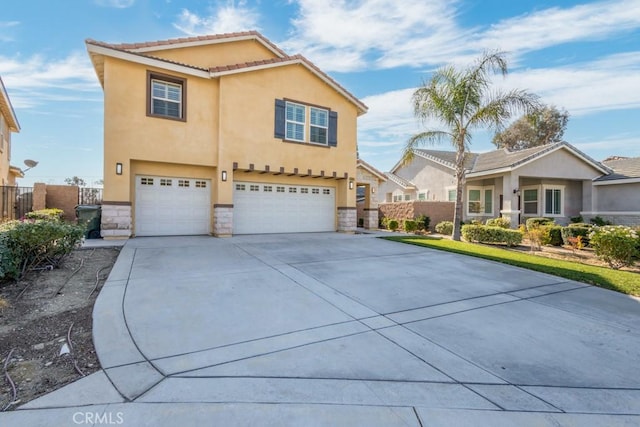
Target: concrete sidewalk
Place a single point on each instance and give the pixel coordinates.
(336, 329)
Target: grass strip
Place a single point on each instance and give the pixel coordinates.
(622, 281)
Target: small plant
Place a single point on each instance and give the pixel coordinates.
(576, 243)
(576, 219)
(444, 227)
(423, 222)
(537, 222)
(383, 222)
(410, 225)
(499, 222)
(599, 222)
(575, 230)
(616, 245)
(46, 215)
(360, 222)
(392, 225)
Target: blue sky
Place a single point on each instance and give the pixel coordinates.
(579, 55)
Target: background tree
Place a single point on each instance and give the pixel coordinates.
(75, 181)
(462, 100)
(543, 126)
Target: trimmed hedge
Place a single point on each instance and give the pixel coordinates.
(410, 225)
(445, 227)
(52, 214)
(575, 230)
(499, 222)
(392, 224)
(537, 222)
(488, 234)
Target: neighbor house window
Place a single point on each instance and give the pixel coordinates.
(319, 125)
(451, 195)
(553, 201)
(407, 196)
(480, 201)
(422, 196)
(530, 201)
(295, 121)
(166, 96)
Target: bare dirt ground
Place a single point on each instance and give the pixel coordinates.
(47, 326)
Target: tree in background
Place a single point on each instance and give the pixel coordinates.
(462, 100)
(75, 181)
(543, 126)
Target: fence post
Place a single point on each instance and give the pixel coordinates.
(39, 196)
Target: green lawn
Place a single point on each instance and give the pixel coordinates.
(621, 281)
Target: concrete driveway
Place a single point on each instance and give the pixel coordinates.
(337, 329)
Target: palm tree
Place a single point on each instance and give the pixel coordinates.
(462, 100)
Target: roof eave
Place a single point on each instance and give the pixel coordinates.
(14, 125)
(366, 166)
(617, 181)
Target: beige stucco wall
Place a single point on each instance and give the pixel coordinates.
(559, 164)
(618, 198)
(5, 149)
(214, 55)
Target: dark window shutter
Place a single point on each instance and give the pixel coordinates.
(333, 129)
(279, 121)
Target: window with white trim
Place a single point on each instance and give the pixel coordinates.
(451, 195)
(166, 97)
(422, 196)
(407, 197)
(319, 121)
(530, 201)
(553, 200)
(480, 201)
(295, 121)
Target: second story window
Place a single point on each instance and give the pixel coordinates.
(319, 125)
(166, 97)
(295, 121)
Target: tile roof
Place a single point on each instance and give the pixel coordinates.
(622, 169)
(141, 50)
(447, 158)
(400, 181)
(171, 43)
(503, 158)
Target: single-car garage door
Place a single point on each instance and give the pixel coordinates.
(282, 208)
(168, 206)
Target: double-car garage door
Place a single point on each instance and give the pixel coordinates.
(282, 208)
(168, 206)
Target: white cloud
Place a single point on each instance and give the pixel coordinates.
(4, 30)
(225, 18)
(37, 79)
(350, 36)
(118, 4)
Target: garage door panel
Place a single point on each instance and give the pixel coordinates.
(172, 206)
(284, 209)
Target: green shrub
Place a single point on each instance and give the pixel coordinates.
(423, 222)
(392, 224)
(574, 230)
(555, 235)
(576, 219)
(445, 227)
(360, 222)
(46, 214)
(537, 222)
(383, 222)
(499, 222)
(489, 234)
(599, 222)
(616, 245)
(410, 225)
(34, 244)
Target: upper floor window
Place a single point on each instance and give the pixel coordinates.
(166, 97)
(296, 116)
(298, 122)
(319, 126)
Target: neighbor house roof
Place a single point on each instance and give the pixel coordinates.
(366, 166)
(623, 169)
(142, 53)
(7, 109)
(405, 184)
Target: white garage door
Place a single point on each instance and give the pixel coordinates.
(172, 206)
(281, 208)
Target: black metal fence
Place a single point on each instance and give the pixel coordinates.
(89, 196)
(15, 202)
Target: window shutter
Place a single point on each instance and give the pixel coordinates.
(279, 121)
(333, 129)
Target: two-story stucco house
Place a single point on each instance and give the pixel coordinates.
(556, 180)
(223, 134)
(8, 125)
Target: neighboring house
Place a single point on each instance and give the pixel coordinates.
(616, 196)
(223, 134)
(8, 124)
(369, 180)
(555, 180)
